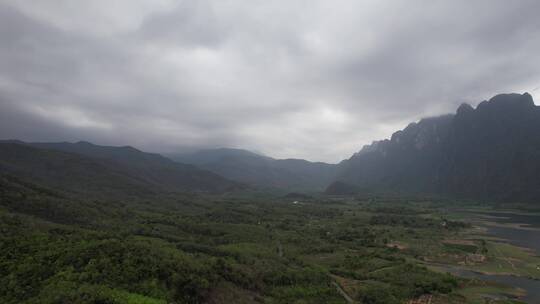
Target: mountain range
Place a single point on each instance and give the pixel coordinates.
(106, 171)
(262, 171)
(491, 152)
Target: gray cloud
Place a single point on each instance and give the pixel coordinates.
(309, 79)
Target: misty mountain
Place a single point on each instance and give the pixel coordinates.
(87, 168)
(262, 171)
(489, 153)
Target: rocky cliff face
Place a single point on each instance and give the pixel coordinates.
(491, 152)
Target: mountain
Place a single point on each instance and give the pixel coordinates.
(87, 168)
(489, 153)
(262, 171)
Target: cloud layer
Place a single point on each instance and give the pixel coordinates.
(303, 79)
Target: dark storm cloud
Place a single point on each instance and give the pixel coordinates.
(311, 79)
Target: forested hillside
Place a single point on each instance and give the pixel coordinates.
(262, 171)
(105, 171)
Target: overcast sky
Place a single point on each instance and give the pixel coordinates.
(291, 79)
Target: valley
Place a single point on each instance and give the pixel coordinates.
(269, 152)
(250, 248)
(431, 216)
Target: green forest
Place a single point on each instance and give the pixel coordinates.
(200, 248)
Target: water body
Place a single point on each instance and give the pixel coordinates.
(519, 237)
(532, 220)
(528, 238)
(532, 287)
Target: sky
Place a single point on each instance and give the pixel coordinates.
(291, 79)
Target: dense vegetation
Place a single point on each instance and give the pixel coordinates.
(60, 248)
(89, 224)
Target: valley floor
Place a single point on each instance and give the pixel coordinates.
(246, 249)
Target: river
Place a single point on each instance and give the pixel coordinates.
(529, 237)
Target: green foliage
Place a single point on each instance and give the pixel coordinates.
(37, 261)
(56, 248)
(377, 293)
(389, 276)
(415, 222)
(460, 247)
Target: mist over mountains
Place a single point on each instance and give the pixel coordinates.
(491, 153)
(262, 171)
(105, 171)
(488, 153)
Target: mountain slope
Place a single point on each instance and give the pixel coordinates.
(262, 171)
(84, 167)
(491, 152)
(67, 171)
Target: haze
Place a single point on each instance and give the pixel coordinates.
(301, 79)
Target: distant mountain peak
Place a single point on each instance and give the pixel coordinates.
(135, 168)
(262, 171)
(524, 98)
(490, 152)
(464, 108)
(507, 102)
(81, 142)
(12, 141)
